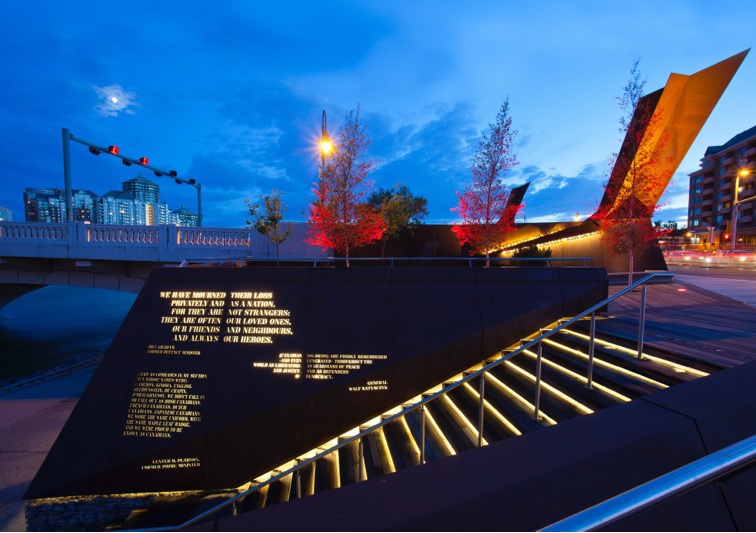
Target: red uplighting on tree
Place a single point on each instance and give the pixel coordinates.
(113, 150)
(483, 206)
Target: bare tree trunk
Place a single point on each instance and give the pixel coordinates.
(346, 254)
(630, 273)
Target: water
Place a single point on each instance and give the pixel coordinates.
(57, 326)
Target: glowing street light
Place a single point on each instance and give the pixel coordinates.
(742, 172)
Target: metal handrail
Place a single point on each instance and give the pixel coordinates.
(390, 260)
(425, 399)
(662, 488)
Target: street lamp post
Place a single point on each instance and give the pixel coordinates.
(741, 172)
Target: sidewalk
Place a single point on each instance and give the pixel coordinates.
(740, 290)
(30, 421)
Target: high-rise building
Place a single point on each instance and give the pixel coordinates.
(711, 195)
(142, 189)
(186, 217)
(6, 215)
(84, 206)
(44, 205)
(138, 203)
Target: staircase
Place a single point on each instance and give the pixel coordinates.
(483, 405)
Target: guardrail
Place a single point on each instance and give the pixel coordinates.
(661, 489)
(80, 240)
(425, 399)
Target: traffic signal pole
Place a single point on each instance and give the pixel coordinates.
(128, 161)
(67, 174)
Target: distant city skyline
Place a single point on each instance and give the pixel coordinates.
(232, 96)
(137, 203)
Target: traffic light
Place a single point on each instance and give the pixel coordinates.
(144, 161)
(94, 151)
(173, 173)
(113, 150)
(126, 162)
(192, 181)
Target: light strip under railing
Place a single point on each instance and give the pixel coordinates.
(662, 488)
(389, 261)
(422, 401)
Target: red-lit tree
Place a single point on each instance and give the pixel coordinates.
(629, 203)
(340, 218)
(486, 217)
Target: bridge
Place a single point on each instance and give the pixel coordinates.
(35, 254)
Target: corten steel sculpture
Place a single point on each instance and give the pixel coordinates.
(670, 120)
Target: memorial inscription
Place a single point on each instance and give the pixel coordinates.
(162, 404)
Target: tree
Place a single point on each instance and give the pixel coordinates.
(486, 217)
(625, 217)
(400, 209)
(339, 217)
(532, 252)
(266, 218)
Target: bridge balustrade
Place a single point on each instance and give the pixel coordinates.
(80, 240)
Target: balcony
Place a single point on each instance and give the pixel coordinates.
(729, 160)
(708, 201)
(708, 179)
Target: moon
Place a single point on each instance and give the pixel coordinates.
(113, 99)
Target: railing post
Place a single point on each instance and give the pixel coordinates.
(481, 412)
(422, 435)
(299, 483)
(591, 345)
(362, 458)
(642, 321)
(537, 403)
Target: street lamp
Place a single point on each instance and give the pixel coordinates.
(741, 172)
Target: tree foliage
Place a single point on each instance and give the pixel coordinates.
(267, 217)
(401, 210)
(340, 218)
(482, 206)
(626, 220)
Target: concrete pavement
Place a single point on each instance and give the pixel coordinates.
(30, 421)
(740, 290)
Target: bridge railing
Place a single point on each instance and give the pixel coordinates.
(80, 240)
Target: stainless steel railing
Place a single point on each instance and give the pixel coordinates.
(662, 488)
(425, 399)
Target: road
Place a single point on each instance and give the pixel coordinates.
(738, 283)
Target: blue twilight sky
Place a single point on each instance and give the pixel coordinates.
(231, 93)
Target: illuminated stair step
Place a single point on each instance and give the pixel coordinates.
(492, 415)
(580, 379)
(404, 451)
(612, 367)
(433, 430)
(452, 437)
(496, 426)
(501, 382)
(683, 370)
(623, 385)
(468, 427)
(562, 405)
